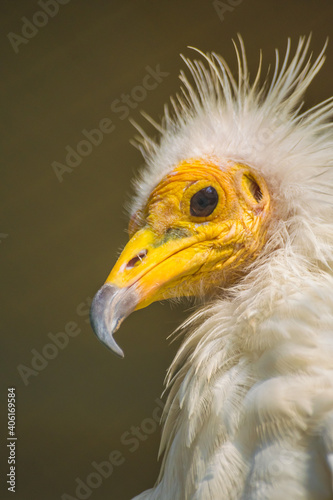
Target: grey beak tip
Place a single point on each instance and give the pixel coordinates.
(110, 306)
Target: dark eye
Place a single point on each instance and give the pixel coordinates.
(203, 202)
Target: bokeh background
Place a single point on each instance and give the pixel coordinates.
(60, 233)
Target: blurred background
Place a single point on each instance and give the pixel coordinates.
(73, 74)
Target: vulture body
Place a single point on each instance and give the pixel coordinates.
(236, 204)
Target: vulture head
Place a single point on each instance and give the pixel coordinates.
(235, 206)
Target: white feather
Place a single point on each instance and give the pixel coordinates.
(249, 413)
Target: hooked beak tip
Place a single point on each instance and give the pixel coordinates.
(110, 306)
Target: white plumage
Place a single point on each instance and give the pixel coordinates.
(250, 410)
(249, 415)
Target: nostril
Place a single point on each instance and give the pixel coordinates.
(138, 258)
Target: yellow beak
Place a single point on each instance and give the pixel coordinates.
(156, 265)
(150, 268)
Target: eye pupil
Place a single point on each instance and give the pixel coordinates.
(204, 202)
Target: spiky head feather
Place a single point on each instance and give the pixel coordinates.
(253, 122)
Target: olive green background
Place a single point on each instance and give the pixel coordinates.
(59, 240)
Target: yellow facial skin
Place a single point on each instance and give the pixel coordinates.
(173, 253)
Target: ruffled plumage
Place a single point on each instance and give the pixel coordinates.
(249, 413)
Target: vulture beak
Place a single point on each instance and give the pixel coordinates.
(111, 305)
(202, 224)
(145, 271)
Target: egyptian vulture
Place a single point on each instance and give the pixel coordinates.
(235, 206)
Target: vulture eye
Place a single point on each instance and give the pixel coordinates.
(204, 202)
